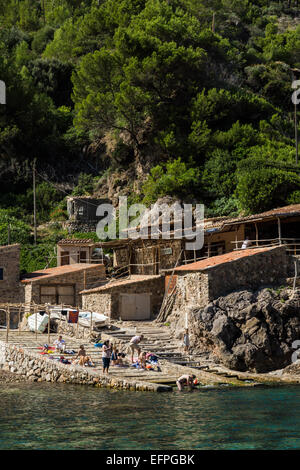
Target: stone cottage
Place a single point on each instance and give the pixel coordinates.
(74, 251)
(199, 283)
(63, 284)
(82, 213)
(137, 298)
(222, 235)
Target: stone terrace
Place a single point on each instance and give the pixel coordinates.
(22, 356)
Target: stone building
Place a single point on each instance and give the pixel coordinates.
(10, 287)
(73, 251)
(82, 213)
(63, 284)
(221, 235)
(137, 298)
(200, 283)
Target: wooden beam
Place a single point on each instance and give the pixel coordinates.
(279, 230)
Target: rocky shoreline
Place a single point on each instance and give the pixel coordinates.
(247, 330)
(7, 377)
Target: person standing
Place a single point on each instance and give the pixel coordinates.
(186, 340)
(106, 354)
(134, 345)
(246, 243)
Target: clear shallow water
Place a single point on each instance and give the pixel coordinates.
(57, 416)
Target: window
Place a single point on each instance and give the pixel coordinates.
(64, 258)
(1, 274)
(81, 257)
(81, 210)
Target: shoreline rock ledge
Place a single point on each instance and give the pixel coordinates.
(247, 330)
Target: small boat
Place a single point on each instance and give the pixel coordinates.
(85, 317)
(98, 319)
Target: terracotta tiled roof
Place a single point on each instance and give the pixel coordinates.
(76, 241)
(59, 271)
(119, 283)
(221, 259)
(293, 209)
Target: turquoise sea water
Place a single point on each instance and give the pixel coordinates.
(57, 416)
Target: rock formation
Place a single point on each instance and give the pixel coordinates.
(247, 330)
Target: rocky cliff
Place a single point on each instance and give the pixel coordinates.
(248, 330)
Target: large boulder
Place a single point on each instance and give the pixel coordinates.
(248, 330)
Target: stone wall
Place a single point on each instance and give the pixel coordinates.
(11, 290)
(198, 288)
(98, 302)
(265, 268)
(74, 330)
(84, 227)
(149, 256)
(107, 300)
(37, 368)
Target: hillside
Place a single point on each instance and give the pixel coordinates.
(148, 98)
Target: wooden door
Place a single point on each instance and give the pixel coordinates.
(142, 306)
(135, 307)
(66, 295)
(48, 295)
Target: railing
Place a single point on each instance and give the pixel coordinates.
(292, 245)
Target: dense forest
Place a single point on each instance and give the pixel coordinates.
(146, 98)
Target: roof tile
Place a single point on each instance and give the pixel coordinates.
(58, 271)
(221, 259)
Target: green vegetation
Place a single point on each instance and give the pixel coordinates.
(196, 93)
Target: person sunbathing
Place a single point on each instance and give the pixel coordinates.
(82, 359)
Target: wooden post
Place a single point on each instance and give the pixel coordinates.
(48, 311)
(7, 322)
(129, 261)
(19, 319)
(236, 240)
(208, 249)
(77, 326)
(91, 326)
(158, 266)
(256, 233)
(279, 230)
(60, 316)
(35, 313)
(296, 275)
(84, 279)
